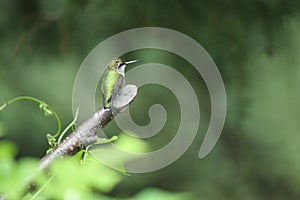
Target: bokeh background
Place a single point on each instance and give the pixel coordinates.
(255, 45)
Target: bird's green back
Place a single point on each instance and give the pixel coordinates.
(111, 80)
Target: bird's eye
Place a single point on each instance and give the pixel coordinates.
(120, 64)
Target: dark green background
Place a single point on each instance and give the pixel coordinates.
(255, 45)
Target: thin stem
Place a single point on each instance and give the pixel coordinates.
(41, 103)
(42, 188)
(69, 126)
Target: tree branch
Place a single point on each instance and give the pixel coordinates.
(85, 134)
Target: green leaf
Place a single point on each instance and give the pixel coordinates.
(72, 179)
(100, 176)
(44, 107)
(13, 175)
(7, 149)
(131, 144)
(110, 155)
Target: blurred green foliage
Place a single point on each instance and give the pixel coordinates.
(66, 178)
(255, 45)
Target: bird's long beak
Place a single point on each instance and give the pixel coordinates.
(132, 61)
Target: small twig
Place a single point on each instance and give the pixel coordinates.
(85, 134)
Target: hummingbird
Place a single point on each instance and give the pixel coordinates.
(113, 80)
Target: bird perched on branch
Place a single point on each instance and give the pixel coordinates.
(113, 80)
